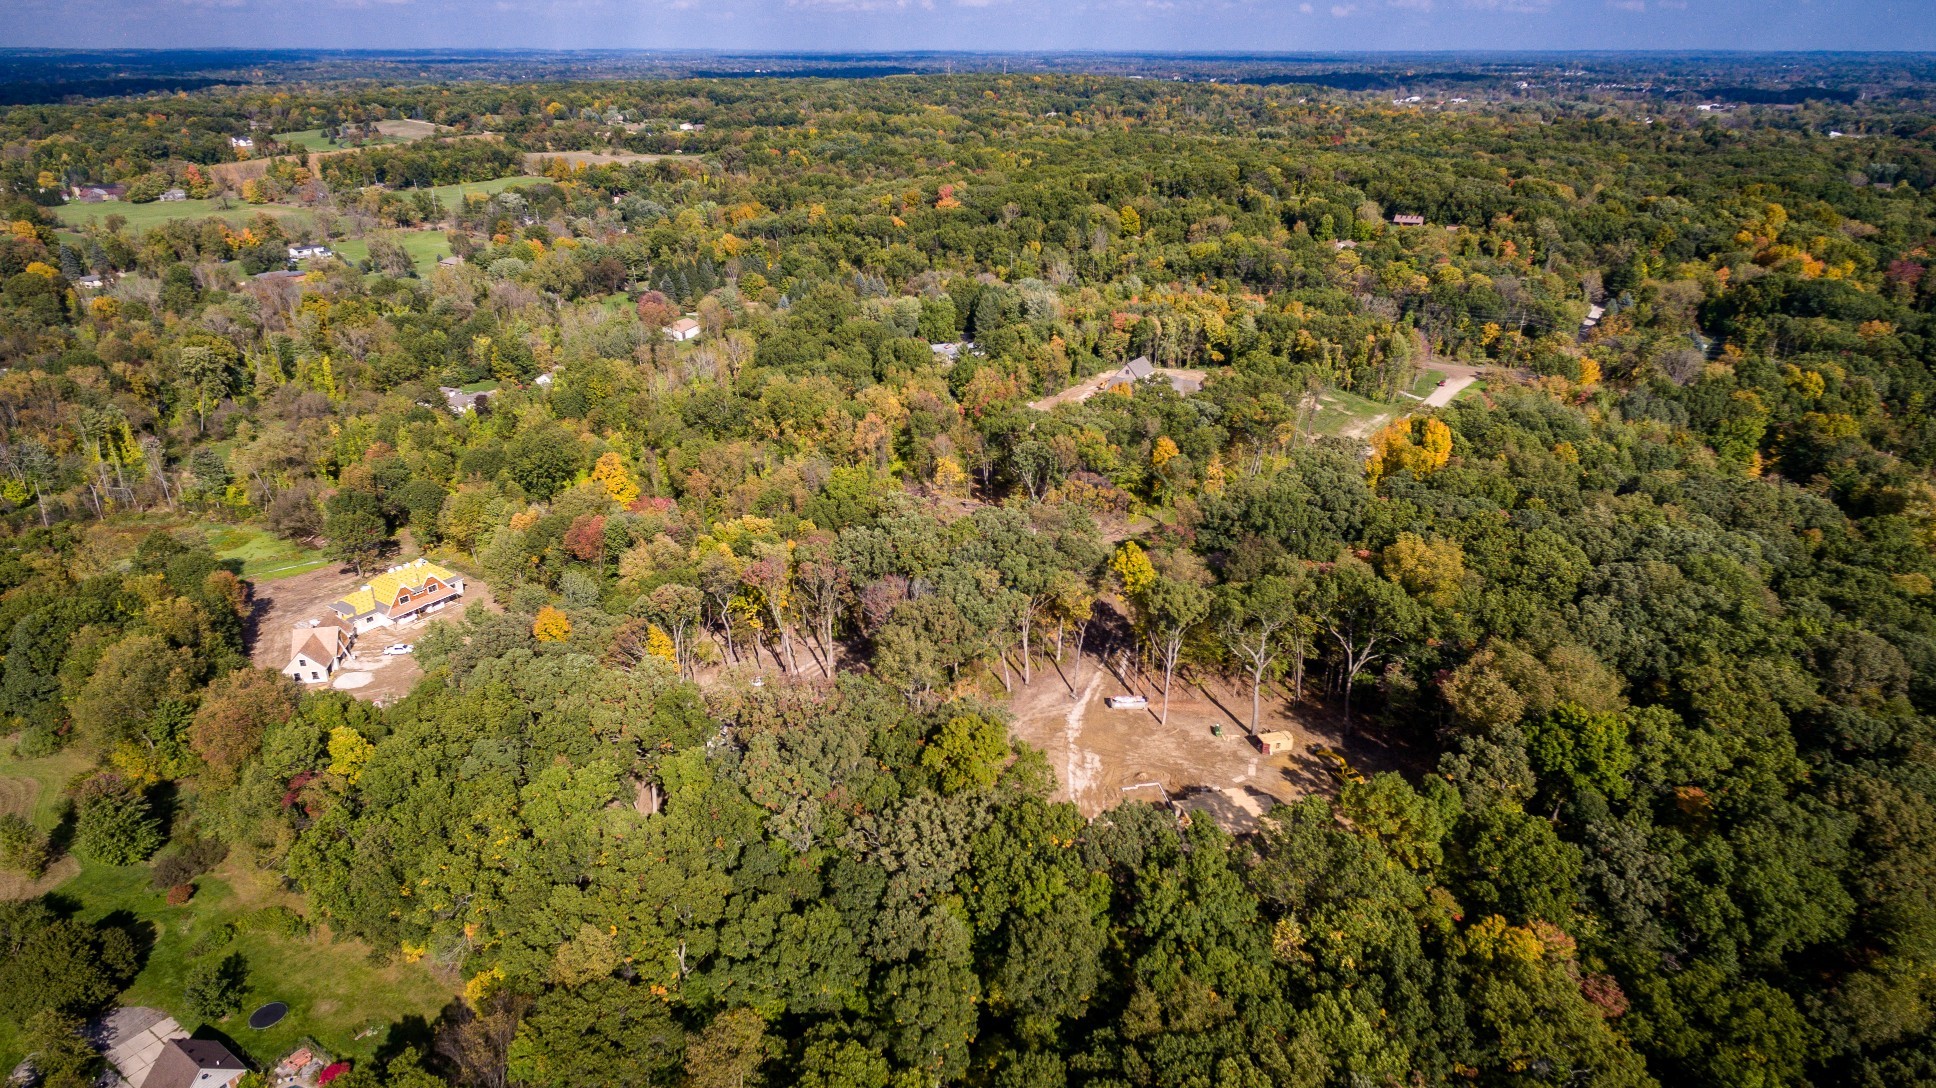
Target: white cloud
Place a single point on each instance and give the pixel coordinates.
(1517, 7)
(1411, 5)
(1305, 9)
(1339, 11)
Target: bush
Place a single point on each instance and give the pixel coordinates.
(22, 847)
(116, 827)
(187, 860)
(279, 921)
(214, 988)
(180, 894)
(212, 938)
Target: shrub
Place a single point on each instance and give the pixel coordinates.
(280, 921)
(180, 894)
(214, 987)
(185, 861)
(212, 938)
(22, 847)
(116, 827)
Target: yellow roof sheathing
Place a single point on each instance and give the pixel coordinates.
(384, 587)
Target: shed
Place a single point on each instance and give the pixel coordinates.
(1275, 741)
(683, 329)
(1408, 220)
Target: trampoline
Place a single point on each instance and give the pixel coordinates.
(268, 1015)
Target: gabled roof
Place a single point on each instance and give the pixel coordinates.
(320, 644)
(383, 590)
(1139, 367)
(183, 1063)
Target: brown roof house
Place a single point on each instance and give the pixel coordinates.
(683, 329)
(314, 652)
(1408, 220)
(194, 1063)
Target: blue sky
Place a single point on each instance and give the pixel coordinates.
(844, 25)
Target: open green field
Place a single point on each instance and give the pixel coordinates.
(1340, 412)
(452, 195)
(1425, 382)
(425, 247)
(265, 556)
(144, 216)
(309, 139)
(334, 992)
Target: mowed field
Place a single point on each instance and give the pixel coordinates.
(145, 216)
(309, 970)
(425, 247)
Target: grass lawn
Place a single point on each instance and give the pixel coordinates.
(425, 247)
(453, 195)
(333, 991)
(144, 216)
(265, 556)
(486, 386)
(1426, 381)
(1339, 411)
(309, 139)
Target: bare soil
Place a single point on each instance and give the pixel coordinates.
(1103, 757)
(367, 673)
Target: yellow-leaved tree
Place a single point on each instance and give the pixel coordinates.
(551, 625)
(1133, 566)
(610, 473)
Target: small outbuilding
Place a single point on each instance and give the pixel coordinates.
(1408, 220)
(1275, 742)
(682, 330)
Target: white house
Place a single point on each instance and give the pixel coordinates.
(399, 595)
(682, 330)
(303, 253)
(314, 652)
(172, 195)
(241, 143)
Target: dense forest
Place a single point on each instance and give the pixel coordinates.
(722, 789)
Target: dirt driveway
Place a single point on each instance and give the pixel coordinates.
(1103, 757)
(368, 673)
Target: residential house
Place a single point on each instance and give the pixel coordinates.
(1132, 372)
(305, 252)
(131, 1038)
(459, 401)
(316, 651)
(399, 595)
(1408, 220)
(169, 196)
(241, 143)
(682, 330)
(90, 283)
(194, 1063)
(97, 194)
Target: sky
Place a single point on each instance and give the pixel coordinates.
(868, 25)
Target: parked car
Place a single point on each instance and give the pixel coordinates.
(398, 650)
(1127, 702)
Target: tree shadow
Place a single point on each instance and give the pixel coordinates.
(412, 1032)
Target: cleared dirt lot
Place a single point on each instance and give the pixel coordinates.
(368, 674)
(1104, 757)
